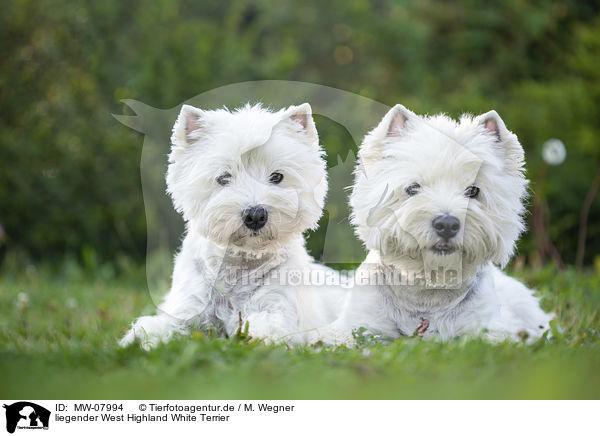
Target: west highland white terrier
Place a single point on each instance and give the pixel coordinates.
(248, 183)
(438, 203)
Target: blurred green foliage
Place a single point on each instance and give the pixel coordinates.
(69, 172)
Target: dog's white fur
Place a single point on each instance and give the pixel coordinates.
(216, 279)
(444, 157)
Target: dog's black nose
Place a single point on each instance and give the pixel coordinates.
(446, 226)
(255, 217)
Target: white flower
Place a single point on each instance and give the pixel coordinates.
(22, 300)
(554, 152)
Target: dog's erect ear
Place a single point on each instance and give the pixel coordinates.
(394, 122)
(189, 126)
(492, 123)
(507, 141)
(302, 118)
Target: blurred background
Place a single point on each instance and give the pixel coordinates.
(70, 190)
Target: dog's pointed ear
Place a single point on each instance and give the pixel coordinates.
(393, 124)
(396, 120)
(303, 123)
(492, 122)
(505, 140)
(189, 126)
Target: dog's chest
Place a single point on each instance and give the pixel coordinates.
(421, 324)
(445, 321)
(231, 288)
(230, 296)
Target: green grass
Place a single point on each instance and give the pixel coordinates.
(62, 344)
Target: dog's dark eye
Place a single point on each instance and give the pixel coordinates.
(224, 179)
(276, 178)
(413, 189)
(472, 192)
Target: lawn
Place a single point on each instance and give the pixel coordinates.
(58, 333)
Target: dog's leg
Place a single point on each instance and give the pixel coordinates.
(187, 301)
(364, 310)
(521, 315)
(273, 317)
(339, 332)
(270, 327)
(152, 330)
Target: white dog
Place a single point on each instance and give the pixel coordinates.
(248, 183)
(437, 203)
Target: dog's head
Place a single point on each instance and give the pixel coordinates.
(433, 187)
(251, 178)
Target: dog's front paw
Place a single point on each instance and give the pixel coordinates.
(149, 331)
(336, 337)
(263, 333)
(128, 339)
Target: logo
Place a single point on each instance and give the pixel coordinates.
(26, 415)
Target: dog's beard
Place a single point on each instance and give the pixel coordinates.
(440, 249)
(440, 264)
(414, 240)
(413, 250)
(254, 239)
(229, 231)
(445, 265)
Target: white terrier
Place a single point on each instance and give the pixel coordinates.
(437, 203)
(248, 183)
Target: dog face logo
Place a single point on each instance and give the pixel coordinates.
(26, 415)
